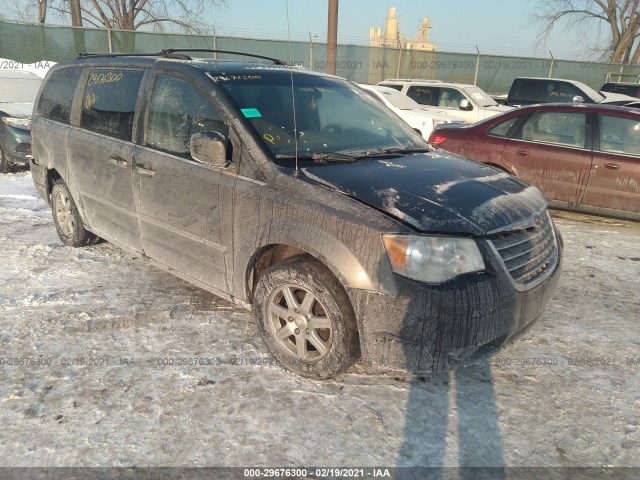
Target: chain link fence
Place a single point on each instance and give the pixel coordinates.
(29, 43)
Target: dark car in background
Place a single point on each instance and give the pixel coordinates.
(582, 157)
(624, 88)
(18, 91)
(532, 90)
(299, 195)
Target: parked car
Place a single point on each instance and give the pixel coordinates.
(624, 88)
(338, 224)
(463, 102)
(531, 90)
(418, 118)
(18, 91)
(582, 157)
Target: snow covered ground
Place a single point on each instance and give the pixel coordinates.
(567, 394)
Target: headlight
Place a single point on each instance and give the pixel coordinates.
(23, 123)
(432, 259)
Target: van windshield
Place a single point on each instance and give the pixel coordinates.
(330, 115)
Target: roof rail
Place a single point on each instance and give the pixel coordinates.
(424, 80)
(276, 61)
(176, 53)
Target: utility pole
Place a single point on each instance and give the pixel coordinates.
(311, 37)
(76, 13)
(332, 37)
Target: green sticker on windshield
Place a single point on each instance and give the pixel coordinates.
(251, 112)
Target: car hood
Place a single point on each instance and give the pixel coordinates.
(436, 192)
(18, 110)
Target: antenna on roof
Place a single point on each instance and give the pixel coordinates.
(293, 96)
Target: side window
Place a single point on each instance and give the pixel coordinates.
(57, 94)
(178, 110)
(562, 92)
(502, 128)
(395, 87)
(631, 90)
(422, 95)
(109, 102)
(619, 135)
(530, 91)
(450, 98)
(562, 128)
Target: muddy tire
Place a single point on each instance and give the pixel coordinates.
(67, 219)
(306, 318)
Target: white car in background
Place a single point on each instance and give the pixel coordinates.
(413, 113)
(38, 68)
(461, 101)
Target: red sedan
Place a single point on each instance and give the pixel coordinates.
(582, 157)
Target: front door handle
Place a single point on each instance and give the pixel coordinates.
(119, 162)
(612, 166)
(523, 153)
(144, 171)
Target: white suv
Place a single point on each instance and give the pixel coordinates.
(418, 117)
(464, 102)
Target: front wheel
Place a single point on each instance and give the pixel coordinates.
(306, 318)
(67, 219)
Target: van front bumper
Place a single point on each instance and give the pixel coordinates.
(429, 328)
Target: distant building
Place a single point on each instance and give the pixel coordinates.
(392, 37)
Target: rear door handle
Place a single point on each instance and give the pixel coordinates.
(612, 166)
(523, 153)
(144, 171)
(119, 162)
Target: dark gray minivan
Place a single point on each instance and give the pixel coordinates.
(295, 194)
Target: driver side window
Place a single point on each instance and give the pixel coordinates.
(179, 110)
(450, 98)
(619, 135)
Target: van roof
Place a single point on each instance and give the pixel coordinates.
(253, 63)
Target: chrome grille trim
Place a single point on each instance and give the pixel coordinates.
(529, 254)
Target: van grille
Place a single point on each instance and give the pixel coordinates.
(530, 254)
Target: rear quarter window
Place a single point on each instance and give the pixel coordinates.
(109, 102)
(57, 94)
(423, 95)
(529, 91)
(503, 128)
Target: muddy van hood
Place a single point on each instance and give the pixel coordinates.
(435, 192)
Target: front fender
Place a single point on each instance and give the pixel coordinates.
(334, 254)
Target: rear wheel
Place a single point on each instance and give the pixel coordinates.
(306, 318)
(67, 219)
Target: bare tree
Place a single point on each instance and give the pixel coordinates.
(126, 14)
(42, 10)
(620, 17)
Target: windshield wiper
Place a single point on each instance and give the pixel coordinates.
(321, 157)
(354, 155)
(404, 150)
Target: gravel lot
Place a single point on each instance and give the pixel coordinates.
(115, 394)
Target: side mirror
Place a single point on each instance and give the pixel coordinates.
(209, 148)
(577, 99)
(465, 105)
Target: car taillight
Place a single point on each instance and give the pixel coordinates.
(436, 140)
